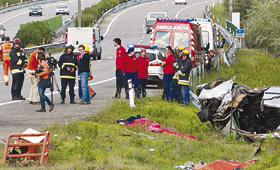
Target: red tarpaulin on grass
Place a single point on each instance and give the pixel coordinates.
(223, 165)
(152, 126)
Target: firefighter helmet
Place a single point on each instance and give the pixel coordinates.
(86, 49)
(185, 52)
(69, 46)
(16, 41)
(180, 49)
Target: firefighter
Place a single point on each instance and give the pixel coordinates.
(130, 65)
(183, 75)
(68, 64)
(143, 64)
(168, 73)
(18, 62)
(120, 78)
(5, 51)
(174, 83)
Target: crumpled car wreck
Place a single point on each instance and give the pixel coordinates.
(245, 110)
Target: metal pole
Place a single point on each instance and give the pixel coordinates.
(230, 10)
(79, 13)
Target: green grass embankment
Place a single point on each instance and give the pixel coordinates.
(100, 143)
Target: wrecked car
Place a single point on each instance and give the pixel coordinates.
(229, 105)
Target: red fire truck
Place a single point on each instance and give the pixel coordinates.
(179, 32)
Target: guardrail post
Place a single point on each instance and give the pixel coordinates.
(131, 93)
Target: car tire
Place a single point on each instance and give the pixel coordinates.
(56, 13)
(160, 85)
(99, 57)
(68, 13)
(29, 14)
(41, 14)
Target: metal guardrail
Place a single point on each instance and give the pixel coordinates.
(24, 4)
(70, 21)
(230, 52)
(117, 8)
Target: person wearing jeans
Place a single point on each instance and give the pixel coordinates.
(183, 75)
(84, 74)
(45, 75)
(168, 71)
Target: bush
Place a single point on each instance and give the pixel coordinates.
(34, 33)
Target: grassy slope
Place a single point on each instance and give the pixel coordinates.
(132, 151)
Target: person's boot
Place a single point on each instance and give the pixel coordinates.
(72, 101)
(117, 96)
(51, 107)
(41, 110)
(62, 101)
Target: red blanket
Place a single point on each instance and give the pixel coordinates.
(152, 126)
(223, 165)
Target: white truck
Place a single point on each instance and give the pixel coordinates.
(89, 36)
(151, 18)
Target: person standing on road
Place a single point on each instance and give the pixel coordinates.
(168, 73)
(32, 66)
(130, 68)
(68, 64)
(84, 70)
(44, 74)
(174, 83)
(120, 77)
(80, 91)
(5, 50)
(143, 64)
(184, 73)
(18, 62)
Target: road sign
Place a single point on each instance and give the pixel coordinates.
(240, 31)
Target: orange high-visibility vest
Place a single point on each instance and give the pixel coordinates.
(6, 49)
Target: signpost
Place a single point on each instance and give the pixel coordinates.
(240, 33)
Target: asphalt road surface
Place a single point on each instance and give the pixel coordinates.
(127, 24)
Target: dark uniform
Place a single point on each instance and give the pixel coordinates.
(185, 67)
(67, 77)
(18, 62)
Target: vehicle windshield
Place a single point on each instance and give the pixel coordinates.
(181, 39)
(162, 39)
(157, 15)
(205, 37)
(62, 6)
(151, 56)
(35, 7)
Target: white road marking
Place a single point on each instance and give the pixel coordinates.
(56, 92)
(110, 57)
(189, 7)
(109, 26)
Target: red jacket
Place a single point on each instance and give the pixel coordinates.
(168, 68)
(130, 64)
(143, 64)
(120, 55)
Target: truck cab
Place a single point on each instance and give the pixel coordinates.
(89, 36)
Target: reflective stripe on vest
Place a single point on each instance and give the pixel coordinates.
(67, 77)
(17, 71)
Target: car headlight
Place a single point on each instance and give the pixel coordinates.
(40, 10)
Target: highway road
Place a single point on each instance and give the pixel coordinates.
(127, 24)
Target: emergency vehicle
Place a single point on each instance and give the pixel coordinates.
(87, 36)
(209, 35)
(179, 32)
